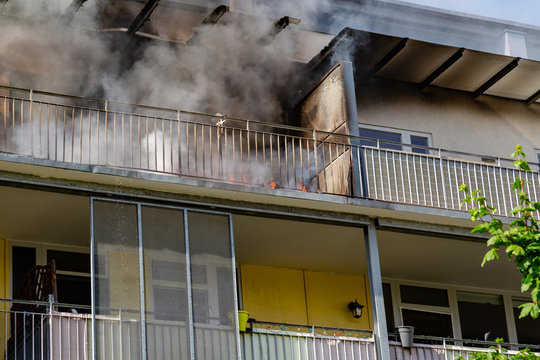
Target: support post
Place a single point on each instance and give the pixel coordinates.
(380, 331)
(357, 155)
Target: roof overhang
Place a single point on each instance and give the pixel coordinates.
(429, 64)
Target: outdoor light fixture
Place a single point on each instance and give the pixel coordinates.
(356, 309)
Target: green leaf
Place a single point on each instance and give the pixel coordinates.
(525, 309)
(515, 250)
(490, 255)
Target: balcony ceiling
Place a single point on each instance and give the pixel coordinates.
(381, 55)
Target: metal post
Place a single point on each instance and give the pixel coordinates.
(92, 278)
(380, 331)
(358, 165)
(141, 282)
(188, 288)
(233, 264)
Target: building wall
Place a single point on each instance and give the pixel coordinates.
(304, 297)
(487, 126)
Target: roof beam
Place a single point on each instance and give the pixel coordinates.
(279, 26)
(442, 68)
(211, 19)
(533, 98)
(142, 17)
(388, 57)
(70, 12)
(498, 76)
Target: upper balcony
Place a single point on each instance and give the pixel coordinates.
(246, 155)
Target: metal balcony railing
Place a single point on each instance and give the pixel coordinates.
(256, 154)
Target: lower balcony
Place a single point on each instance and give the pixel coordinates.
(47, 333)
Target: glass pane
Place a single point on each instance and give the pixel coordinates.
(212, 286)
(380, 135)
(70, 261)
(387, 294)
(527, 328)
(419, 140)
(423, 295)
(74, 290)
(24, 258)
(428, 323)
(117, 292)
(167, 334)
(481, 316)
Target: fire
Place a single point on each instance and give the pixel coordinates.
(301, 186)
(272, 183)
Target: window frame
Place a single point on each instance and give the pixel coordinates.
(452, 309)
(405, 135)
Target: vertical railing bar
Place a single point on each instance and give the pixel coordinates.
(279, 156)
(203, 151)
(131, 139)
(442, 181)
(98, 115)
(188, 288)
(388, 174)
(395, 174)
(139, 143)
(179, 137)
(455, 187)
(22, 125)
(436, 183)
(89, 136)
(316, 160)
(72, 132)
(509, 187)
(31, 120)
(232, 171)
(331, 165)
(381, 173)
(56, 132)
(424, 195)
(48, 130)
(5, 123)
(286, 149)
(147, 136)
(409, 180)
(294, 162)
(114, 139)
(491, 197)
(171, 144)
(64, 137)
(258, 180)
(211, 155)
(81, 137)
(401, 175)
(429, 182)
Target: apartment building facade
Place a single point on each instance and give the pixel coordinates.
(163, 223)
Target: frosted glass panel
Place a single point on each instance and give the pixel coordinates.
(213, 299)
(117, 292)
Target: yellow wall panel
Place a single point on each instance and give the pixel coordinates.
(328, 295)
(274, 294)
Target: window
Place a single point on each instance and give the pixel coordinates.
(394, 139)
(482, 316)
(526, 328)
(427, 309)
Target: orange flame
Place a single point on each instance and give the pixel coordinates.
(272, 183)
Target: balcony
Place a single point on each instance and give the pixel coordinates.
(248, 155)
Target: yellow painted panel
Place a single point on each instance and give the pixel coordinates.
(328, 295)
(4, 289)
(274, 294)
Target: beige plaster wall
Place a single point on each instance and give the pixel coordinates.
(486, 126)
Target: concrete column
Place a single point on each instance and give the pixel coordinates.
(376, 290)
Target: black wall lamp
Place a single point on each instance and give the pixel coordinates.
(356, 309)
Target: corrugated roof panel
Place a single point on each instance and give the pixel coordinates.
(520, 83)
(472, 71)
(416, 61)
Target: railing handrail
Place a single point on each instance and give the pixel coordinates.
(432, 151)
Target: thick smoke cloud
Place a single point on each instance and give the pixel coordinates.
(227, 69)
